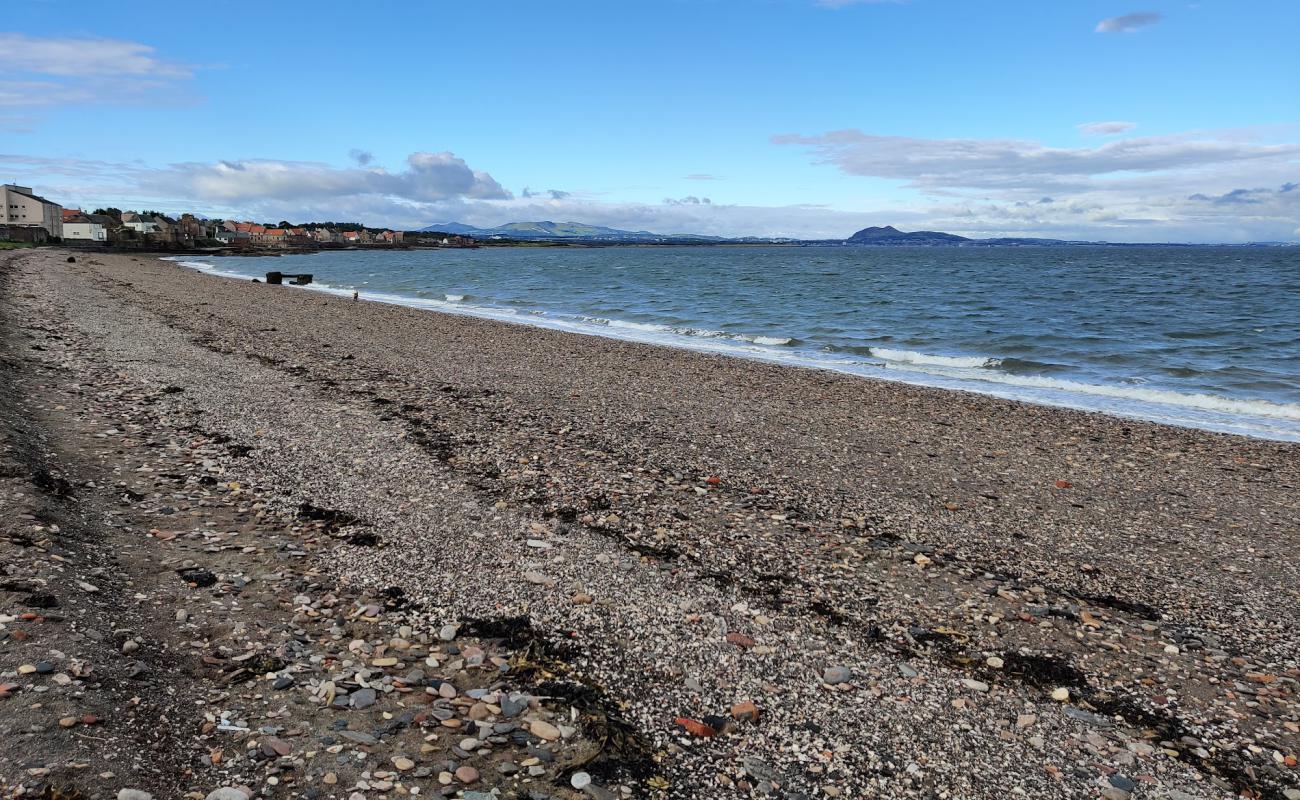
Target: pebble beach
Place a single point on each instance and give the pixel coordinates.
(264, 542)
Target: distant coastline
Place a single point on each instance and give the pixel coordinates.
(547, 233)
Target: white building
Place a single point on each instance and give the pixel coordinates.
(83, 229)
(140, 223)
(22, 208)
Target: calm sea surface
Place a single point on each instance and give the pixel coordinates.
(1203, 337)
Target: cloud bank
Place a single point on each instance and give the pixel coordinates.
(427, 178)
(1011, 164)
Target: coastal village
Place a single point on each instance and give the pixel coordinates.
(33, 219)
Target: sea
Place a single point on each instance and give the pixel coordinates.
(1203, 337)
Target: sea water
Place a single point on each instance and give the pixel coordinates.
(1206, 337)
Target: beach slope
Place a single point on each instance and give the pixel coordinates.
(337, 547)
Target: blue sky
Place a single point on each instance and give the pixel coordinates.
(790, 117)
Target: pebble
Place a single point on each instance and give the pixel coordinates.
(834, 675)
(1123, 783)
(448, 632)
(403, 763)
(580, 780)
(544, 730)
(994, 662)
(466, 774)
(1061, 694)
(363, 698)
(227, 793)
(133, 794)
(974, 685)
(513, 707)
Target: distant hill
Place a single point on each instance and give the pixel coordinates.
(558, 230)
(450, 227)
(889, 236)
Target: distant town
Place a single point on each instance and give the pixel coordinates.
(32, 219)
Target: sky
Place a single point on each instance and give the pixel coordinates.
(1132, 120)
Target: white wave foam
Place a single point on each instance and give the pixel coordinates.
(913, 357)
(771, 341)
(1200, 402)
(454, 298)
(648, 327)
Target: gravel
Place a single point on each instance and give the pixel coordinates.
(892, 576)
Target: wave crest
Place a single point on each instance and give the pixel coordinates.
(914, 357)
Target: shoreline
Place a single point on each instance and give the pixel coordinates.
(902, 581)
(1255, 418)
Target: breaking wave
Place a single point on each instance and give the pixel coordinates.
(913, 357)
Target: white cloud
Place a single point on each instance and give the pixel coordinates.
(1106, 128)
(427, 178)
(939, 165)
(64, 71)
(554, 194)
(1128, 23)
(84, 57)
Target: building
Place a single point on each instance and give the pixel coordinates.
(234, 238)
(24, 209)
(141, 223)
(83, 228)
(193, 228)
